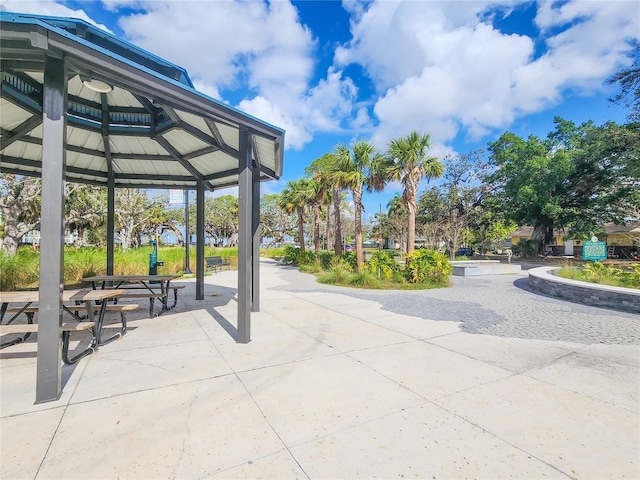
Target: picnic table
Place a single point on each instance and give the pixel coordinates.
(140, 286)
(82, 305)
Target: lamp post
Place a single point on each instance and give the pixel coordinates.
(187, 270)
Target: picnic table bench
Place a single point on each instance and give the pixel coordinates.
(77, 310)
(85, 304)
(145, 293)
(139, 286)
(216, 262)
(67, 328)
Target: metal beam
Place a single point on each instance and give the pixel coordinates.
(20, 131)
(49, 371)
(215, 131)
(176, 154)
(245, 235)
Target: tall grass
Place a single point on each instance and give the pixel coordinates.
(603, 274)
(22, 271)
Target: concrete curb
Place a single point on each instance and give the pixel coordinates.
(543, 280)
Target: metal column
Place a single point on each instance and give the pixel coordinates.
(245, 236)
(187, 260)
(200, 241)
(255, 229)
(54, 121)
(111, 224)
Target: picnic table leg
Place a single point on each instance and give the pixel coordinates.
(115, 336)
(95, 341)
(175, 297)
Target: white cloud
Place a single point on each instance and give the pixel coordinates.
(47, 7)
(441, 67)
(238, 45)
(321, 108)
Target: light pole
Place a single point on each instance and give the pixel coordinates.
(187, 270)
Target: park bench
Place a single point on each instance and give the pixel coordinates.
(215, 263)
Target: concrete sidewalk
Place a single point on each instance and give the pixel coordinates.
(331, 386)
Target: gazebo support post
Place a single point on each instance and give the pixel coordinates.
(111, 223)
(200, 241)
(54, 120)
(245, 236)
(255, 229)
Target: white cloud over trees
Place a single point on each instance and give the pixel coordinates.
(437, 66)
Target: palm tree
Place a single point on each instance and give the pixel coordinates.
(397, 220)
(321, 169)
(357, 171)
(292, 199)
(315, 194)
(409, 164)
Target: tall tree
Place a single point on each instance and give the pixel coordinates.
(396, 223)
(221, 220)
(628, 79)
(274, 221)
(579, 177)
(409, 163)
(85, 209)
(19, 209)
(321, 170)
(132, 213)
(293, 198)
(316, 194)
(359, 170)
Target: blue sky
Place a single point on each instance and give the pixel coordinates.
(331, 72)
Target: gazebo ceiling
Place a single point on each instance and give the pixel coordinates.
(130, 114)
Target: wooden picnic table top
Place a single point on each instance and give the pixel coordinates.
(130, 278)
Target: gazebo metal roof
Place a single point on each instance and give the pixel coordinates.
(151, 130)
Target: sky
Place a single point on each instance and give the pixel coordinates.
(333, 72)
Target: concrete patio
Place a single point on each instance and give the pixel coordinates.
(333, 385)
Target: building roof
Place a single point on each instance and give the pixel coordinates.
(148, 128)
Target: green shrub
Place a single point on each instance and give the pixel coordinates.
(337, 273)
(429, 267)
(364, 279)
(383, 263)
(634, 276)
(325, 259)
(525, 248)
(351, 259)
(603, 274)
(290, 254)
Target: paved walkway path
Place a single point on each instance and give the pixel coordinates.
(500, 305)
(481, 380)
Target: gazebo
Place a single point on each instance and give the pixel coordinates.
(79, 104)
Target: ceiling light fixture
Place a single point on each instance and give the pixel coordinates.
(97, 86)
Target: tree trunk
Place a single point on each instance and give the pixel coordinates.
(301, 228)
(411, 225)
(176, 231)
(316, 228)
(338, 222)
(357, 202)
(327, 232)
